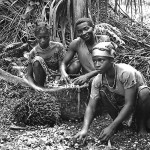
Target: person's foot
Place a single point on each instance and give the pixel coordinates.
(17, 127)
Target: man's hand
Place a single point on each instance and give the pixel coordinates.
(80, 80)
(79, 136)
(65, 77)
(106, 133)
(38, 88)
(35, 87)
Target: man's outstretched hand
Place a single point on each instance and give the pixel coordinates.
(80, 136)
(106, 133)
(80, 80)
(65, 78)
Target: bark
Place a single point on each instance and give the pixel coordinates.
(79, 9)
(11, 78)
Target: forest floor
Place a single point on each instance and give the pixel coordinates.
(60, 137)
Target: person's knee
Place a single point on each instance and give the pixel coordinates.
(74, 67)
(36, 64)
(144, 94)
(38, 69)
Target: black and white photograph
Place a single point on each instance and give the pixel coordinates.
(74, 74)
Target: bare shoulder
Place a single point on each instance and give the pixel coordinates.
(74, 44)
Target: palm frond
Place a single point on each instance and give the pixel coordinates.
(55, 12)
(43, 14)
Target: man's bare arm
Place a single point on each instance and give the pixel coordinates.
(130, 95)
(63, 67)
(68, 57)
(88, 118)
(84, 78)
(89, 114)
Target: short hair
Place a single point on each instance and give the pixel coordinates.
(42, 27)
(81, 20)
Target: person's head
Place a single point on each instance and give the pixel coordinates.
(84, 28)
(103, 55)
(42, 33)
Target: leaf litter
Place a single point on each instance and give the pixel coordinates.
(60, 136)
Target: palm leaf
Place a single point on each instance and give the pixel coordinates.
(52, 6)
(54, 18)
(43, 15)
(63, 22)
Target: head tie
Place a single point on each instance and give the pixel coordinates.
(104, 49)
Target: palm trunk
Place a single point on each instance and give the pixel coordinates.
(79, 9)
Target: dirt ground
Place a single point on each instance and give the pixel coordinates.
(60, 136)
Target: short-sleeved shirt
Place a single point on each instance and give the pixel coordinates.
(52, 55)
(126, 77)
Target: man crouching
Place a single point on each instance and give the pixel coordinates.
(123, 91)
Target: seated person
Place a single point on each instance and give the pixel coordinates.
(45, 58)
(122, 90)
(82, 46)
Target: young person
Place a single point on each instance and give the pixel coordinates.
(44, 58)
(123, 91)
(82, 47)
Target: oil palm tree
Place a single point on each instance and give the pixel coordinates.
(17, 17)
